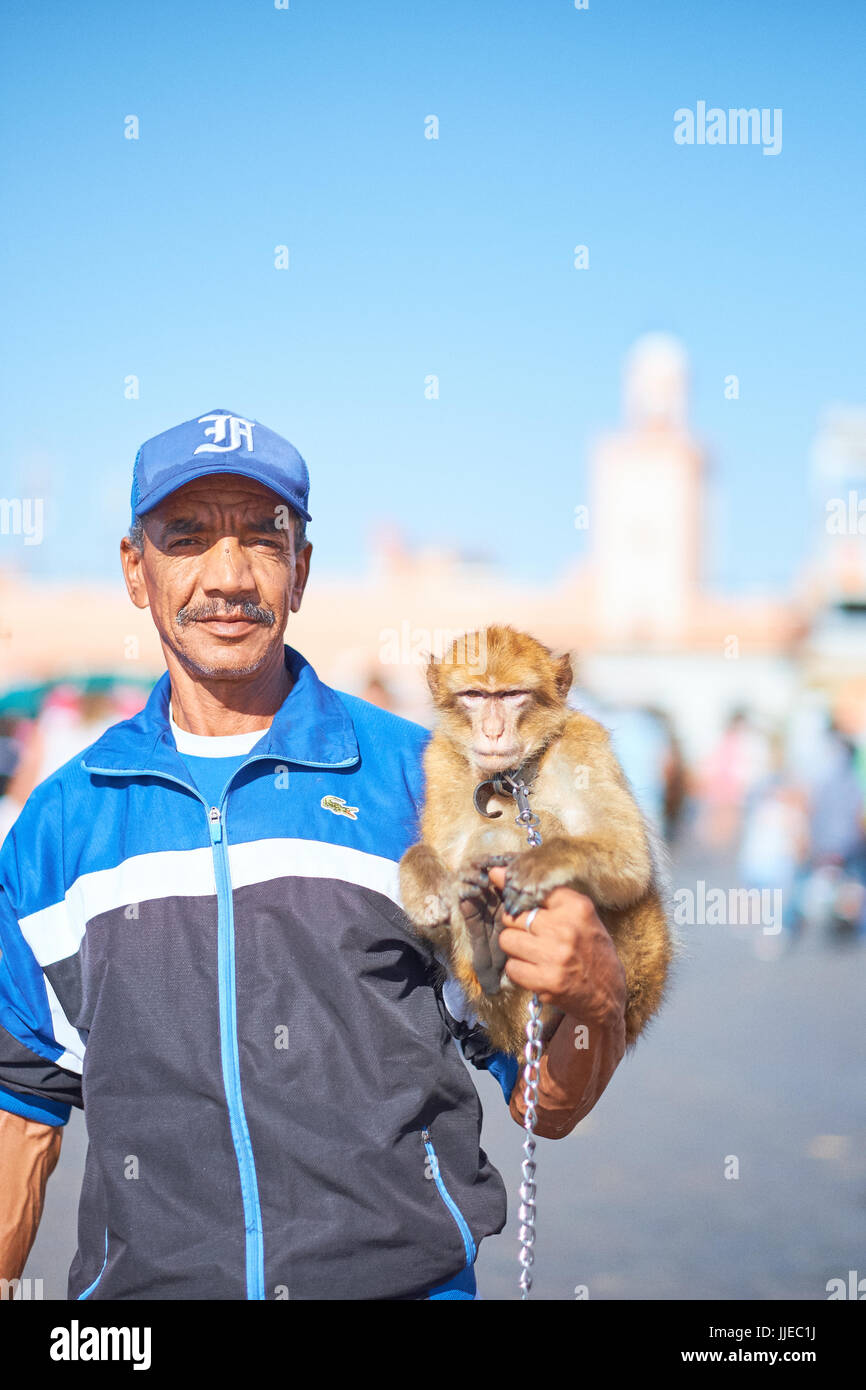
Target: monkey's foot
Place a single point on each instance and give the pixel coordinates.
(427, 891)
(433, 913)
(517, 900)
(482, 912)
(531, 876)
(474, 879)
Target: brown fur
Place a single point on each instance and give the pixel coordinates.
(594, 838)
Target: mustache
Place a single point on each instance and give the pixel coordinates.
(244, 609)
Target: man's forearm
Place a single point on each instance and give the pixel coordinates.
(28, 1156)
(575, 1068)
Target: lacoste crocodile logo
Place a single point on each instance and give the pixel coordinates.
(338, 805)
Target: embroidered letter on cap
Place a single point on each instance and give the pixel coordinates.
(238, 430)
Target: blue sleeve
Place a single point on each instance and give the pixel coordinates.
(472, 1038)
(505, 1068)
(46, 1112)
(32, 1083)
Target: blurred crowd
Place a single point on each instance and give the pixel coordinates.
(790, 803)
(42, 727)
(777, 807)
(784, 808)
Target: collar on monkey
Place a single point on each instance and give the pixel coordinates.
(515, 782)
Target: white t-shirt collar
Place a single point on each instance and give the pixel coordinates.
(214, 745)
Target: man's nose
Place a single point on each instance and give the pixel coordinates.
(226, 568)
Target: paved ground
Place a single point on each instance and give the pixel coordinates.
(759, 1055)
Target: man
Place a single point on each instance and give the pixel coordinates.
(203, 946)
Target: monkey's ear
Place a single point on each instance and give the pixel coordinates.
(564, 676)
(433, 676)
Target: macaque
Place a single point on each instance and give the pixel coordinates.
(502, 713)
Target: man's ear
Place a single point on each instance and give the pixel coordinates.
(131, 562)
(302, 574)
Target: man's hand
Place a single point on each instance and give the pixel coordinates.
(567, 957)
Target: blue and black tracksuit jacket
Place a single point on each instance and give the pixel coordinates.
(274, 1102)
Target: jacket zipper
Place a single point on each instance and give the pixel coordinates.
(89, 1290)
(468, 1242)
(229, 1058)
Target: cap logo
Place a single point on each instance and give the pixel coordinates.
(239, 431)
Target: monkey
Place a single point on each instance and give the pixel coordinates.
(503, 718)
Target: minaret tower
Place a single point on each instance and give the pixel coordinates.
(646, 515)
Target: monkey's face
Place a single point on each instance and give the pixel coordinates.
(491, 726)
(501, 696)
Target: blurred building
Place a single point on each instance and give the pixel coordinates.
(646, 521)
(638, 614)
(659, 635)
(832, 654)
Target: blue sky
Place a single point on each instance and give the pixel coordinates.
(410, 257)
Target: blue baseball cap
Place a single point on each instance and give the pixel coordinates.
(219, 442)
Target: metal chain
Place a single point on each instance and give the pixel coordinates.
(526, 1211)
(532, 1057)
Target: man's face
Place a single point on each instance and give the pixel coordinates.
(220, 574)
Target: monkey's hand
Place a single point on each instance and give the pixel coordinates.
(533, 874)
(482, 908)
(427, 891)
